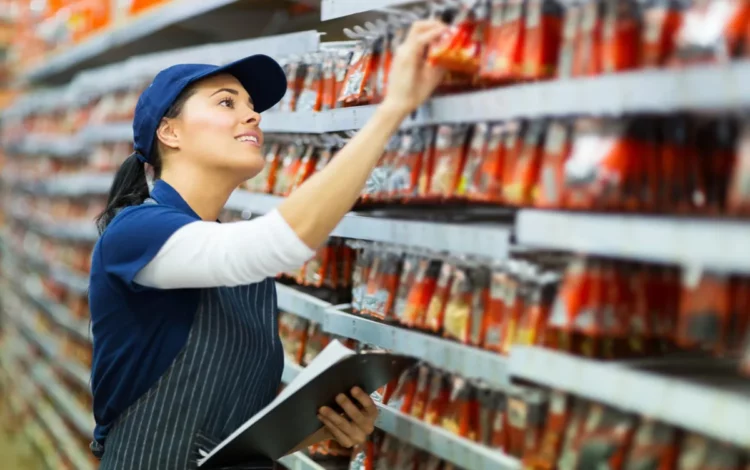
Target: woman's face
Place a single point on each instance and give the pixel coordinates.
(218, 128)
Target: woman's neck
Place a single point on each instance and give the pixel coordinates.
(206, 193)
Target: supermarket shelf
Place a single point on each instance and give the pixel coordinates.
(107, 133)
(57, 312)
(448, 446)
(81, 184)
(444, 354)
(59, 432)
(83, 421)
(331, 9)
(705, 401)
(691, 242)
(291, 371)
(71, 280)
(57, 146)
(485, 240)
(300, 461)
(301, 304)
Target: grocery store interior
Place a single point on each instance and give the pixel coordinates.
(560, 235)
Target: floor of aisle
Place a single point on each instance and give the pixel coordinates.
(16, 453)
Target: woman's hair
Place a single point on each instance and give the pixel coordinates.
(130, 187)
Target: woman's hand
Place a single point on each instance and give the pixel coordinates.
(352, 429)
(412, 79)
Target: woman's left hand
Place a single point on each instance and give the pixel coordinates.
(358, 423)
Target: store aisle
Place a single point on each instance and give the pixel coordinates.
(16, 453)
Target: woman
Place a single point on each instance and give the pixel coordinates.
(183, 308)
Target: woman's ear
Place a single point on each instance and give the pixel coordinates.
(167, 134)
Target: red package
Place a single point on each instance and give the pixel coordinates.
(403, 395)
(428, 165)
(552, 171)
(716, 158)
(500, 422)
(450, 156)
(605, 438)
(328, 82)
(405, 458)
(311, 96)
(739, 328)
(386, 459)
(526, 409)
(525, 175)
(461, 415)
(458, 309)
(420, 296)
(676, 151)
(573, 430)
(487, 411)
(552, 441)
(422, 392)
(662, 20)
(542, 40)
(654, 446)
(477, 154)
(376, 188)
(620, 35)
(502, 58)
(569, 42)
(496, 310)
(265, 181)
(705, 310)
(360, 277)
(407, 165)
(437, 401)
(712, 31)
(358, 76)
(588, 53)
(436, 310)
(541, 291)
(513, 144)
(306, 167)
(295, 73)
(485, 176)
(738, 199)
(291, 160)
(406, 285)
(381, 290)
(574, 296)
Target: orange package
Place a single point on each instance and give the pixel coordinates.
(621, 35)
(406, 285)
(407, 165)
(550, 193)
(437, 401)
(306, 168)
(551, 444)
(542, 39)
(570, 449)
(403, 395)
(356, 90)
(421, 393)
(605, 438)
(676, 147)
(496, 310)
(265, 181)
(381, 290)
(485, 180)
(569, 41)
(428, 166)
(458, 308)
(421, 293)
(514, 305)
(295, 76)
(502, 57)
(286, 173)
(461, 415)
(360, 277)
(376, 188)
(311, 96)
(588, 54)
(662, 20)
(740, 317)
(712, 31)
(476, 155)
(459, 50)
(525, 175)
(328, 82)
(717, 158)
(450, 157)
(574, 296)
(655, 445)
(541, 292)
(704, 311)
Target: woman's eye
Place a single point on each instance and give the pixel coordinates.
(227, 102)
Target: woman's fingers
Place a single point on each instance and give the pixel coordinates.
(354, 413)
(351, 430)
(337, 433)
(369, 408)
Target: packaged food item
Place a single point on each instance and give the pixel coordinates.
(550, 193)
(712, 31)
(295, 71)
(376, 188)
(450, 157)
(654, 446)
(440, 390)
(550, 448)
(306, 166)
(407, 165)
(739, 327)
(311, 96)
(496, 309)
(475, 157)
(360, 277)
(514, 302)
(704, 311)
(320, 268)
(458, 309)
(294, 339)
(525, 174)
(513, 144)
(569, 41)
(317, 340)
(459, 50)
(662, 20)
(500, 422)
(405, 286)
(486, 398)
(574, 296)
(502, 57)
(738, 199)
(382, 285)
(265, 181)
(428, 166)
(717, 150)
(461, 413)
(526, 410)
(328, 94)
(422, 392)
(359, 82)
(290, 163)
(605, 438)
(542, 38)
(436, 309)
(621, 34)
(405, 457)
(541, 290)
(403, 395)
(420, 295)
(699, 452)
(386, 459)
(588, 54)
(484, 165)
(676, 151)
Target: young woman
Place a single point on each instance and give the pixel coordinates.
(183, 308)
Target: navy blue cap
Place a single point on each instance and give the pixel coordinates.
(261, 76)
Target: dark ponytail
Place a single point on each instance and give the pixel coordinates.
(130, 187)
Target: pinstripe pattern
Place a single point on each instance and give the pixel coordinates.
(228, 370)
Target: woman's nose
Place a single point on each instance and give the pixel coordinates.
(251, 117)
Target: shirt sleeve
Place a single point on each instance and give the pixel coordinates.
(135, 236)
(209, 254)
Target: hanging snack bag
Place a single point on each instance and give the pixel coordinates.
(317, 340)
(542, 39)
(358, 76)
(525, 175)
(485, 175)
(461, 415)
(295, 75)
(514, 304)
(381, 291)
(487, 409)
(422, 392)
(605, 438)
(386, 459)
(573, 297)
(513, 143)
(558, 416)
(306, 166)
(573, 430)
(376, 187)
(704, 311)
(450, 156)
(382, 67)
(569, 41)
(311, 96)
(479, 304)
(654, 446)
(712, 31)
(526, 410)
(420, 295)
(404, 177)
(360, 276)
(701, 453)
(328, 81)
(541, 291)
(621, 35)
(476, 155)
(551, 186)
(740, 317)
(428, 166)
(496, 310)
(460, 48)
(403, 395)
(676, 149)
(437, 401)
(588, 53)
(373, 282)
(502, 58)
(291, 160)
(662, 19)
(500, 422)
(264, 181)
(406, 284)
(436, 309)
(294, 340)
(458, 308)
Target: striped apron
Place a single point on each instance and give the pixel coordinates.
(229, 369)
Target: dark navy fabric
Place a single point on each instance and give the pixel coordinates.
(261, 76)
(138, 332)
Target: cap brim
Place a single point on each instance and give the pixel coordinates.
(262, 77)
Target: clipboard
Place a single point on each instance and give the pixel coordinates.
(291, 420)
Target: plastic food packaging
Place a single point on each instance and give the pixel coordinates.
(406, 285)
(295, 74)
(540, 291)
(502, 58)
(306, 166)
(514, 304)
(701, 453)
(662, 20)
(525, 174)
(513, 144)
(526, 409)
(569, 40)
(450, 157)
(476, 155)
(574, 296)
(655, 446)
(496, 310)
(588, 54)
(407, 164)
(461, 415)
(290, 163)
(376, 188)
(551, 188)
(360, 276)
(550, 448)
(458, 309)
(459, 50)
(484, 168)
(405, 457)
(621, 35)
(705, 311)
(422, 392)
(542, 39)
(382, 285)
(295, 338)
(317, 340)
(428, 166)
(264, 181)
(421, 293)
(712, 31)
(359, 82)
(402, 398)
(311, 96)
(386, 459)
(436, 309)
(605, 438)
(487, 409)
(440, 390)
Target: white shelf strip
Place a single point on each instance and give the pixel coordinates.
(291, 371)
(719, 244)
(79, 184)
(331, 9)
(107, 133)
(301, 304)
(82, 420)
(485, 240)
(437, 441)
(720, 409)
(299, 461)
(444, 354)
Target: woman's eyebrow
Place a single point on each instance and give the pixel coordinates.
(228, 90)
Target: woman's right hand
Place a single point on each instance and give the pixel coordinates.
(412, 78)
